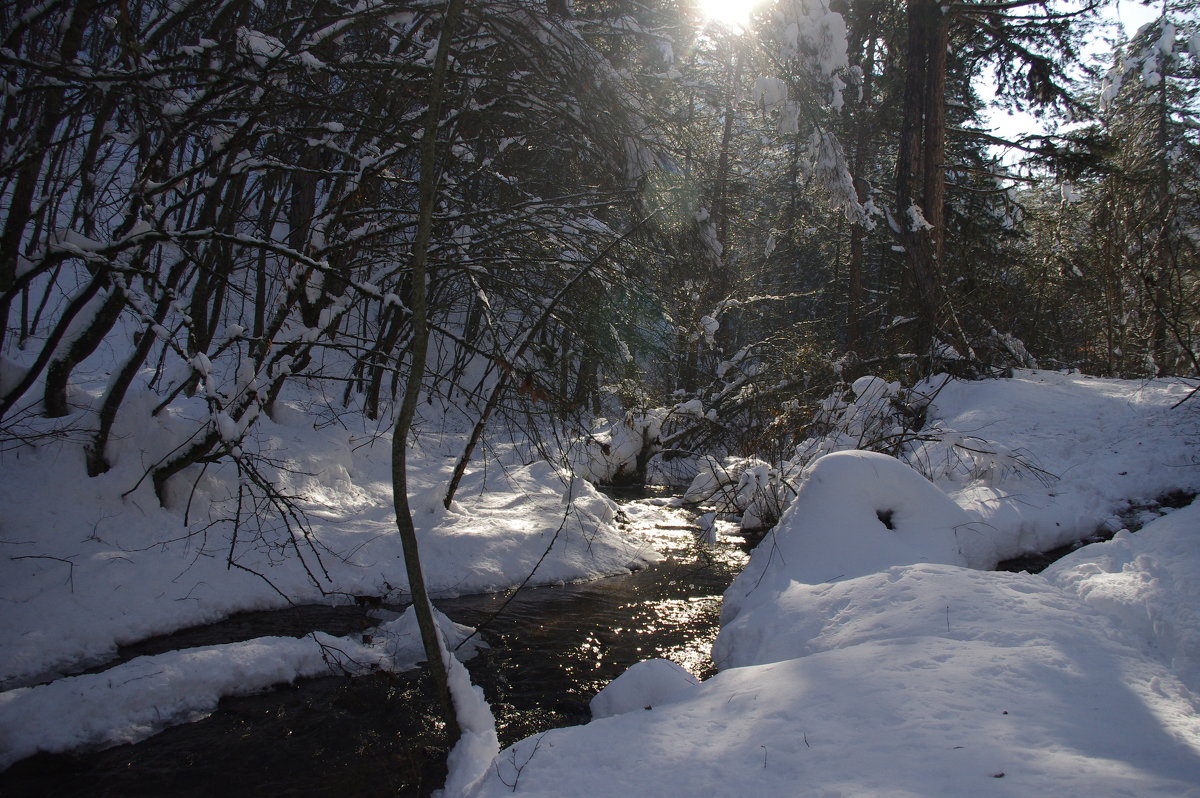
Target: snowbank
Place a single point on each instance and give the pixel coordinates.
(136, 699)
(1046, 458)
(923, 680)
(1149, 583)
(87, 568)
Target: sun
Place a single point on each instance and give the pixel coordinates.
(733, 14)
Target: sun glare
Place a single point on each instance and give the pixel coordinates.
(733, 14)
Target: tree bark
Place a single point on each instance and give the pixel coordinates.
(418, 351)
(920, 172)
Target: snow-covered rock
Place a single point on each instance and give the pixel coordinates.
(620, 451)
(644, 685)
(857, 513)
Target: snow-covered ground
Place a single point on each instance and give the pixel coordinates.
(863, 651)
(84, 570)
(861, 655)
(88, 565)
(135, 699)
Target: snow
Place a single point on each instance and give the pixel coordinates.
(89, 570)
(611, 454)
(858, 659)
(863, 651)
(1149, 583)
(1065, 453)
(857, 513)
(1024, 693)
(135, 699)
(93, 564)
(692, 407)
(643, 685)
(771, 92)
(478, 744)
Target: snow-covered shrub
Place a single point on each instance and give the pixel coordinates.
(711, 477)
(872, 414)
(622, 452)
(946, 455)
(876, 415)
(673, 468)
(764, 494)
(744, 486)
(619, 452)
(1004, 350)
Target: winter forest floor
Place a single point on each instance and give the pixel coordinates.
(865, 650)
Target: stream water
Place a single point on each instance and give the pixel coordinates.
(549, 652)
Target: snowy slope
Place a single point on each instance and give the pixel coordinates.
(1099, 446)
(85, 570)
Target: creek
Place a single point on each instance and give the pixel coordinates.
(549, 652)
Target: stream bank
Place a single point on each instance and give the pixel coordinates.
(549, 652)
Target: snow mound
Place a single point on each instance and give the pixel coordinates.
(644, 685)
(1149, 583)
(857, 513)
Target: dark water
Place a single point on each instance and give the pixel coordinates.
(1132, 517)
(550, 651)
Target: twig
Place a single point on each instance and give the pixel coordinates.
(70, 573)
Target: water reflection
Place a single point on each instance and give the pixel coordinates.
(550, 651)
(554, 648)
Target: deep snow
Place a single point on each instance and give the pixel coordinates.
(860, 656)
(863, 651)
(89, 565)
(85, 570)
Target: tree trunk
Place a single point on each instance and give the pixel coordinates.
(21, 200)
(76, 306)
(412, 391)
(855, 293)
(920, 173)
(83, 344)
(933, 198)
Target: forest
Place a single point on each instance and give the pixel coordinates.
(356, 303)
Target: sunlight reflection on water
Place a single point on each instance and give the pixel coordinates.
(551, 651)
